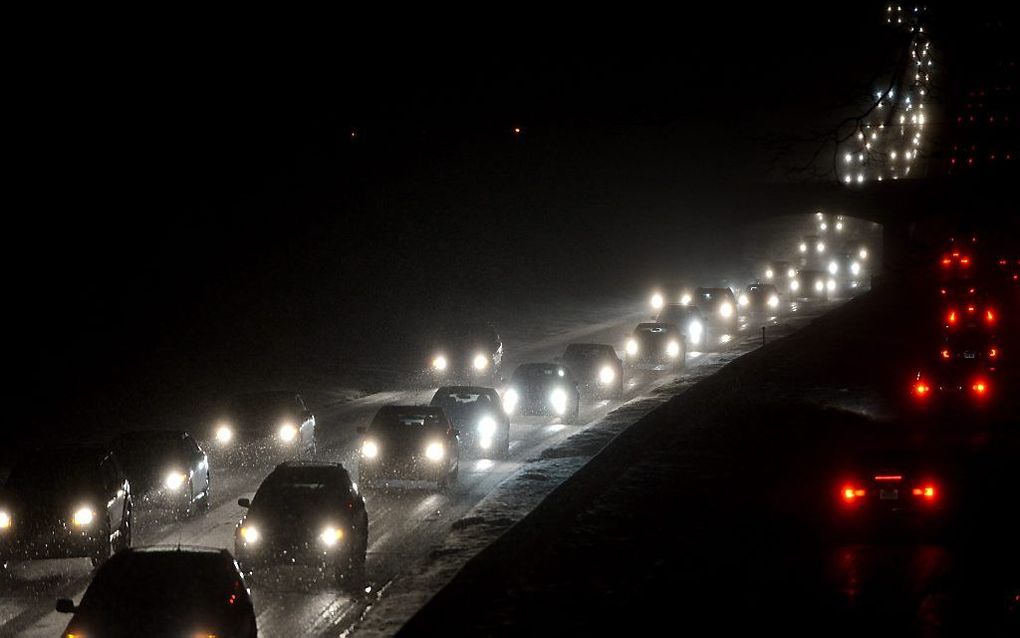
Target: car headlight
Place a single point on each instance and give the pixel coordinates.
(833, 268)
(657, 301)
(773, 301)
(434, 451)
(830, 285)
(820, 247)
(83, 516)
(287, 432)
(855, 269)
(174, 480)
(726, 310)
(769, 274)
(439, 363)
(632, 347)
(250, 534)
(743, 300)
(794, 285)
(487, 427)
(863, 253)
(224, 434)
(510, 398)
(480, 362)
(607, 375)
(5, 520)
(802, 247)
(369, 449)
(673, 348)
(685, 299)
(331, 536)
(791, 273)
(558, 399)
(694, 331)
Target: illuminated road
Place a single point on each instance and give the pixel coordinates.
(404, 525)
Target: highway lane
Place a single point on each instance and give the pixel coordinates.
(404, 524)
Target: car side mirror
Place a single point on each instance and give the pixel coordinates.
(66, 606)
(361, 429)
(244, 502)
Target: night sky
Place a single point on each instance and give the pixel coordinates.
(189, 191)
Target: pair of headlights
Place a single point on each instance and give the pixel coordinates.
(672, 348)
(434, 451)
(557, 398)
(287, 432)
(329, 536)
(480, 362)
(81, 517)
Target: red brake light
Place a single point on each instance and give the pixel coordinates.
(951, 318)
(993, 353)
(921, 389)
(851, 493)
(971, 309)
(990, 316)
(980, 387)
(964, 261)
(946, 261)
(945, 353)
(889, 477)
(926, 491)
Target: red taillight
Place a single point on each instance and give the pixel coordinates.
(851, 493)
(964, 261)
(946, 261)
(990, 316)
(889, 477)
(956, 254)
(926, 492)
(993, 353)
(951, 317)
(971, 309)
(980, 387)
(921, 389)
(945, 353)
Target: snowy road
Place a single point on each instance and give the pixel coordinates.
(404, 525)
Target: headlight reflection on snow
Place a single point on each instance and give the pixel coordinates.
(510, 398)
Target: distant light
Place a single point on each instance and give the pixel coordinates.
(657, 301)
(833, 267)
(823, 226)
(820, 247)
(517, 130)
(860, 178)
(803, 246)
(839, 226)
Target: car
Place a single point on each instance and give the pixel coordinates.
(760, 299)
(305, 513)
(467, 352)
(969, 316)
(478, 414)
(265, 425)
(971, 345)
(691, 323)
(847, 271)
(812, 284)
(164, 591)
(656, 346)
(719, 308)
(895, 492)
(543, 389)
(167, 469)
(409, 442)
(958, 261)
(969, 382)
(596, 368)
(779, 273)
(65, 503)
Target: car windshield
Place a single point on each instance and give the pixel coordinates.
(463, 400)
(145, 450)
(161, 588)
(411, 421)
(261, 403)
(56, 474)
(587, 351)
(533, 373)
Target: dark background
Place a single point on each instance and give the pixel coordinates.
(190, 211)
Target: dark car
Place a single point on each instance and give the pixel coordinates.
(760, 299)
(470, 353)
(65, 503)
(960, 382)
(265, 424)
(308, 514)
(971, 345)
(656, 345)
(543, 389)
(167, 469)
(718, 306)
(478, 414)
(596, 368)
(890, 493)
(164, 591)
(407, 442)
(691, 323)
(812, 284)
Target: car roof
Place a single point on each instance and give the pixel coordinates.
(465, 389)
(175, 549)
